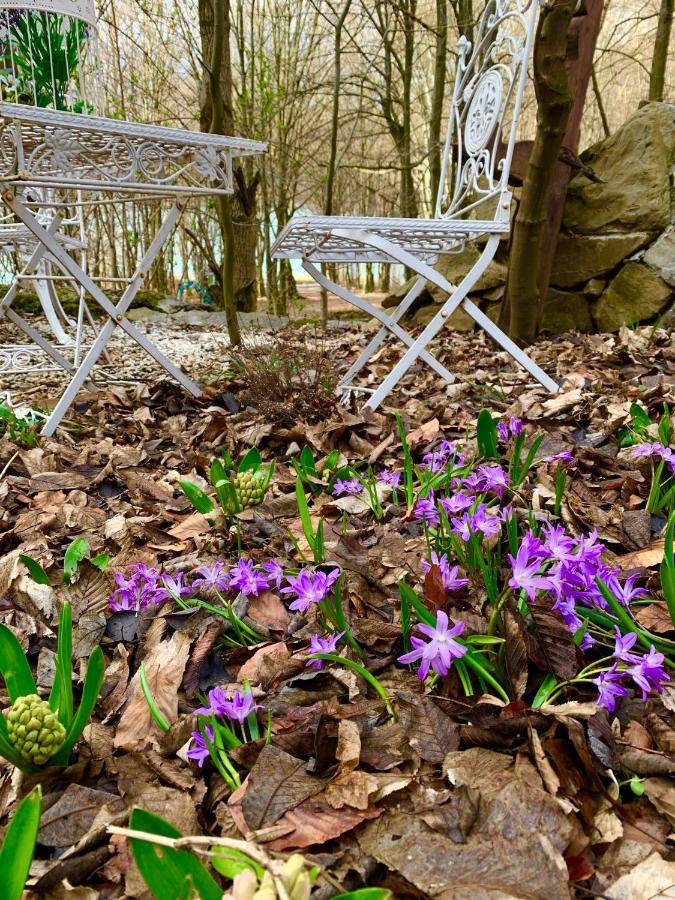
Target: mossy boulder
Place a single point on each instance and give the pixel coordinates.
(635, 165)
(637, 294)
(566, 311)
(581, 257)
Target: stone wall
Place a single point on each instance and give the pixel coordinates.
(615, 260)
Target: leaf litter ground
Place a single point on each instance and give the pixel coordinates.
(461, 795)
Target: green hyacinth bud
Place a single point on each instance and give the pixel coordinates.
(34, 729)
(249, 489)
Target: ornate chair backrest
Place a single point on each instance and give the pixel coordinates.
(486, 104)
(42, 53)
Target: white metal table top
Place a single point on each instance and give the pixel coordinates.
(65, 149)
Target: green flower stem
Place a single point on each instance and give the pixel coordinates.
(363, 672)
(602, 620)
(625, 618)
(483, 673)
(498, 604)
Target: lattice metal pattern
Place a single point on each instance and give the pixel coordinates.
(313, 237)
(65, 149)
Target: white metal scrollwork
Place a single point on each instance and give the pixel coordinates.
(487, 97)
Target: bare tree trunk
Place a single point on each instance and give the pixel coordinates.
(335, 122)
(438, 96)
(657, 79)
(522, 298)
(217, 107)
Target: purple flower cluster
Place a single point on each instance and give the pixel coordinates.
(448, 575)
(310, 587)
(513, 429)
(437, 460)
(319, 644)
(479, 521)
(647, 672)
(654, 450)
(141, 589)
(351, 486)
(390, 479)
(236, 708)
(439, 652)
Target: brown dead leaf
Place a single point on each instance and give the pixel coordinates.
(349, 745)
(164, 668)
(73, 814)
(277, 782)
(647, 556)
(661, 792)
(423, 434)
(655, 617)
(651, 879)
(432, 733)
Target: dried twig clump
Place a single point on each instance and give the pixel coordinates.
(289, 378)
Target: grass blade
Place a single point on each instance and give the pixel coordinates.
(18, 847)
(14, 666)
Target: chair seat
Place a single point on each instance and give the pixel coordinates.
(312, 237)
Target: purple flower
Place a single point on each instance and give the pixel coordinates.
(515, 426)
(173, 586)
(622, 644)
(457, 503)
(439, 653)
(462, 527)
(310, 587)
(391, 479)
(564, 456)
(648, 672)
(211, 577)
(136, 593)
(525, 573)
(625, 593)
(244, 578)
(503, 431)
(351, 486)
(558, 545)
(481, 521)
(649, 450)
(275, 572)
(238, 708)
(438, 459)
(319, 644)
(493, 478)
(425, 509)
(449, 575)
(565, 606)
(198, 749)
(609, 688)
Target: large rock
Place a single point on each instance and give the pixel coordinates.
(566, 311)
(455, 266)
(635, 166)
(661, 256)
(636, 295)
(458, 321)
(580, 257)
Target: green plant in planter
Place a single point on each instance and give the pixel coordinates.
(35, 732)
(235, 490)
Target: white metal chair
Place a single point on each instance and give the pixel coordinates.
(473, 203)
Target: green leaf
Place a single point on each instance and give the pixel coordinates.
(169, 874)
(35, 570)
(305, 517)
(18, 846)
(664, 426)
(423, 614)
(366, 894)
(307, 461)
(78, 550)
(61, 696)
(14, 666)
(251, 461)
(155, 711)
(230, 862)
(486, 435)
(668, 568)
(640, 416)
(201, 501)
(90, 691)
(101, 561)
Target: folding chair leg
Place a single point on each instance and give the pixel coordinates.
(511, 348)
(387, 321)
(377, 339)
(456, 296)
